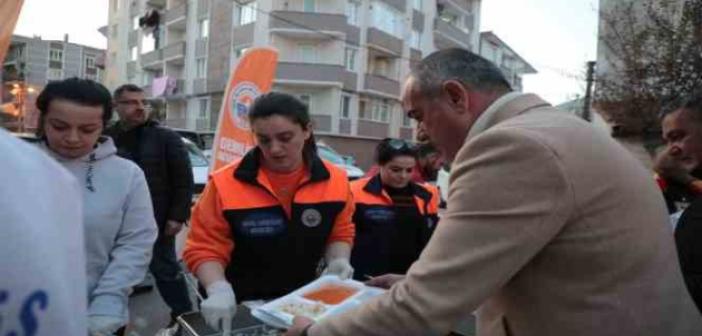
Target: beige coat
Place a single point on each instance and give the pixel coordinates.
(552, 229)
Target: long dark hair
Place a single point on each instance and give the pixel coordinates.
(285, 105)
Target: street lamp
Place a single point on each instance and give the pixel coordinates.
(20, 91)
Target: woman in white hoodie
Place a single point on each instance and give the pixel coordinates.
(118, 217)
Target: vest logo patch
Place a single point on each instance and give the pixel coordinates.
(311, 217)
(262, 225)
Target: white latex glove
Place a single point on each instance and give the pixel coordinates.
(340, 267)
(103, 325)
(220, 306)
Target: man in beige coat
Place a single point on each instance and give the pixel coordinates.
(551, 228)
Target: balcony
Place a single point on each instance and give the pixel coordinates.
(308, 25)
(176, 17)
(160, 4)
(382, 84)
(507, 72)
(381, 40)
(373, 129)
(202, 124)
(316, 74)
(152, 60)
(400, 5)
(448, 35)
(174, 52)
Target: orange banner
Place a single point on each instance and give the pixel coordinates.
(251, 77)
(9, 12)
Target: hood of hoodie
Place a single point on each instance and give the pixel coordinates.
(104, 148)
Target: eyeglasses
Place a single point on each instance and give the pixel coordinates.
(399, 144)
(135, 102)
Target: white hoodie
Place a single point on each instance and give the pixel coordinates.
(41, 241)
(120, 228)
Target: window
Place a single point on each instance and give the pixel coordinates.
(453, 19)
(416, 40)
(203, 28)
(352, 8)
(133, 54)
(89, 62)
(203, 107)
(56, 55)
(308, 53)
(381, 111)
(308, 6)
(240, 51)
(54, 74)
(247, 13)
(417, 4)
(406, 121)
(375, 110)
(305, 98)
(200, 67)
(381, 67)
(363, 112)
(345, 106)
(350, 59)
(387, 19)
(135, 23)
(148, 43)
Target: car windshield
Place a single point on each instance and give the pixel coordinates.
(330, 155)
(207, 139)
(197, 158)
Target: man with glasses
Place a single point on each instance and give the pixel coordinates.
(162, 156)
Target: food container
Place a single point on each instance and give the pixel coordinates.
(326, 296)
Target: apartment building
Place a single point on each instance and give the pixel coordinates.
(32, 62)
(513, 66)
(344, 58)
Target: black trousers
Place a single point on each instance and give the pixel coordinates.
(169, 278)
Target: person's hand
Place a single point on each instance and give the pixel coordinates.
(674, 169)
(103, 325)
(220, 306)
(300, 324)
(172, 227)
(385, 281)
(340, 267)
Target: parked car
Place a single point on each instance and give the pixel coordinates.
(28, 137)
(199, 163)
(329, 154)
(203, 139)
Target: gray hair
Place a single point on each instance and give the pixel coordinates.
(461, 65)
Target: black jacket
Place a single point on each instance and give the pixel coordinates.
(162, 156)
(688, 240)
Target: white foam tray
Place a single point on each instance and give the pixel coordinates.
(271, 314)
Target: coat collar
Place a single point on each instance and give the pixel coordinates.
(507, 106)
(375, 186)
(250, 165)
